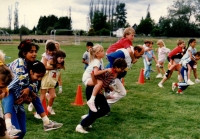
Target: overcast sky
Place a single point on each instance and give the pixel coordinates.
(31, 10)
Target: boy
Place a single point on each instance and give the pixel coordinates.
(85, 58)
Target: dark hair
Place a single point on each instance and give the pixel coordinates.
(89, 44)
(36, 67)
(51, 46)
(147, 41)
(120, 63)
(138, 48)
(59, 53)
(190, 41)
(197, 53)
(25, 47)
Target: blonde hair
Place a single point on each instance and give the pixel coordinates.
(5, 73)
(2, 56)
(161, 42)
(94, 50)
(55, 42)
(128, 31)
(179, 42)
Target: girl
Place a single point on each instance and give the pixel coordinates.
(148, 57)
(51, 78)
(50, 49)
(5, 79)
(21, 87)
(184, 72)
(174, 57)
(188, 53)
(95, 65)
(162, 51)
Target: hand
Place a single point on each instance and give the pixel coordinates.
(109, 70)
(33, 95)
(148, 63)
(19, 101)
(25, 93)
(134, 61)
(28, 100)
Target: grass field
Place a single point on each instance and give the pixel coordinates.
(147, 112)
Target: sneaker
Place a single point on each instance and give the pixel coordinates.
(12, 131)
(84, 116)
(197, 81)
(37, 116)
(52, 125)
(92, 107)
(50, 110)
(147, 78)
(114, 86)
(160, 85)
(173, 86)
(80, 129)
(189, 82)
(159, 76)
(30, 107)
(179, 92)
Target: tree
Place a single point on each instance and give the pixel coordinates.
(146, 25)
(99, 21)
(120, 15)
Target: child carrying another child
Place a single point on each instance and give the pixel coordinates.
(162, 54)
(174, 57)
(51, 78)
(184, 72)
(189, 53)
(104, 76)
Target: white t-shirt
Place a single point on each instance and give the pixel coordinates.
(87, 74)
(127, 56)
(186, 55)
(162, 53)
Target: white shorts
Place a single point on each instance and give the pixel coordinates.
(85, 82)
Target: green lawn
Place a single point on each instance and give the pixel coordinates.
(147, 112)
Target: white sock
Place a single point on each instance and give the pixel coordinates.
(45, 120)
(92, 98)
(8, 122)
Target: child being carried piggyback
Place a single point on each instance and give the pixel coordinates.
(103, 76)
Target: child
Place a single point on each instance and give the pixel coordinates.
(20, 87)
(50, 50)
(5, 79)
(162, 52)
(174, 57)
(124, 42)
(148, 57)
(188, 53)
(96, 65)
(51, 78)
(183, 85)
(85, 59)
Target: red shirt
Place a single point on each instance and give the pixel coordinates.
(122, 43)
(175, 51)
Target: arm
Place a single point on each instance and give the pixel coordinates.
(99, 72)
(44, 61)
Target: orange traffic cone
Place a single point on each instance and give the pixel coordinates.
(141, 77)
(79, 99)
(44, 104)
